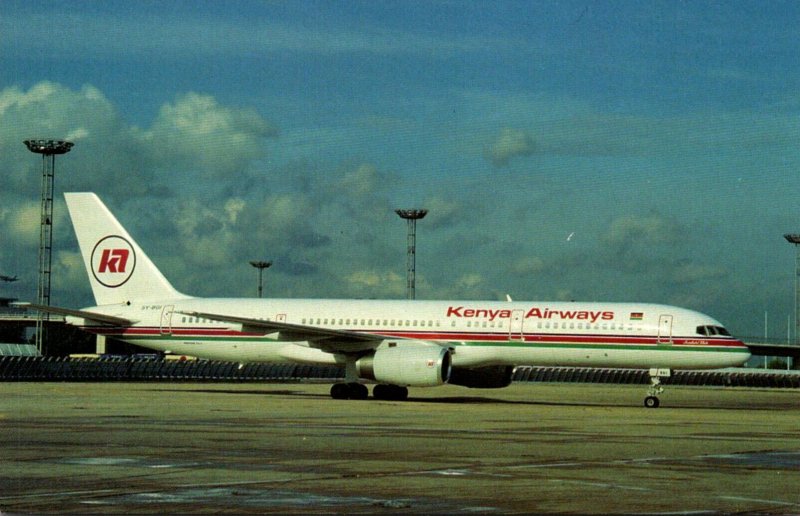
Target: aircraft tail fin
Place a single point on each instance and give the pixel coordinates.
(119, 271)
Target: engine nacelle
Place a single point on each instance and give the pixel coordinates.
(408, 364)
(489, 377)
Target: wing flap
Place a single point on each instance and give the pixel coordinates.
(326, 339)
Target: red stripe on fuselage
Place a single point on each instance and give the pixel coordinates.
(439, 336)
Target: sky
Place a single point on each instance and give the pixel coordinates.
(566, 150)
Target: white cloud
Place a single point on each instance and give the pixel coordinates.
(373, 283)
(527, 266)
(361, 181)
(22, 223)
(197, 133)
(509, 144)
(469, 281)
(630, 230)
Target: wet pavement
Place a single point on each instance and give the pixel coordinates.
(288, 448)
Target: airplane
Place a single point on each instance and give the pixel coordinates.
(8, 279)
(395, 344)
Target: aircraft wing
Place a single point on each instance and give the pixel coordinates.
(774, 350)
(84, 314)
(332, 341)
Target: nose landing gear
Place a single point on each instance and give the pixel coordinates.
(652, 401)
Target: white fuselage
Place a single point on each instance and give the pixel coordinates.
(478, 333)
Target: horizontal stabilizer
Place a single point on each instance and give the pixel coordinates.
(89, 316)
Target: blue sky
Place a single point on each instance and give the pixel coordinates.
(661, 135)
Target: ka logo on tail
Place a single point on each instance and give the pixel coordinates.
(113, 261)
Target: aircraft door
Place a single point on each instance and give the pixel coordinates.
(166, 319)
(515, 326)
(664, 329)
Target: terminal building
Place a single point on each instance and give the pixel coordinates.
(15, 326)
(18, 327)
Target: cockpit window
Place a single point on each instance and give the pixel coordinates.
(710, 330)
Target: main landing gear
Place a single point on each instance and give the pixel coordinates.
(349, 391)
(358, 391)
(652, 401)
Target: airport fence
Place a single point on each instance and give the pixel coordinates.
(720, 378)
(137, 369)
(102, 369)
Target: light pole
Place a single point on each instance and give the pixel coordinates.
(411, 261)
(795, 239)
(49, 149)
(260, 265)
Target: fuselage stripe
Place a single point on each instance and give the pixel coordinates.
(592, 341)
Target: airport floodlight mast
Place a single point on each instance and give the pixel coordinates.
(49, 149)
(260, 265)
(795, 239)
(412, 216)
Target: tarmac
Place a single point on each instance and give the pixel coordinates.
(153, 448)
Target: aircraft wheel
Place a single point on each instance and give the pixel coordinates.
(380, 392)
(400, 393)
(339, 391)
(651, 402)
(358, 391)
(389, 392)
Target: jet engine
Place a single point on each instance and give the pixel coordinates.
(409, 364)
(488, 377)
